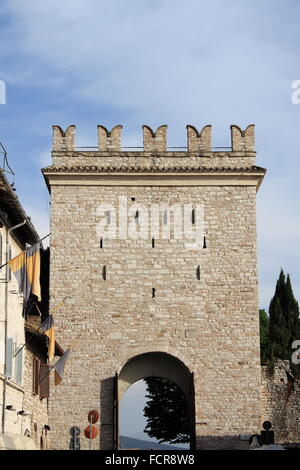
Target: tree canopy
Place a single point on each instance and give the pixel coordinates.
(284, 324)
(166, 411)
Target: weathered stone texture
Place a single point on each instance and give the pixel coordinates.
(199, 141)
(155, 141)
(211, 324)
(108, 141)
(150, 160)
(118, 318)
(281, 402)
(36, 408)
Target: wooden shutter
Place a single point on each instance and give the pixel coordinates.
(35, 375)
(192, 414)
(116, 414)
(44, 379)
(9, 357)
(19, 365)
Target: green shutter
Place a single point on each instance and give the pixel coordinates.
(19, 365)
(9, 357)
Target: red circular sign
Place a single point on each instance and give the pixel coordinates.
(91, 432)
(93, 416)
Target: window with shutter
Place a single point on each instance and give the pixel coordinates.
(8, 268)
(44, 380)
(35, 375)
(9, 357)
(19, 365)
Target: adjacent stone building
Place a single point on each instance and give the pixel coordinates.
(23, 403)
(156, 251)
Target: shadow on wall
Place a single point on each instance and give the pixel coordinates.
(223, 442)
(106, 413)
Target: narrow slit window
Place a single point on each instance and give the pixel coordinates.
(101, 243)
(108, 218)
(136, 217)
(104, 273)
(153, 242)
(165, 217)
(198, 273)
(193, 217)
(133, 198)
(153, 292)
(204, 242)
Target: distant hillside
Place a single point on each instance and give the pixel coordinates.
(131, 443)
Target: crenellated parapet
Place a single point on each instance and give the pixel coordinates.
(198, 142)
(155, 163)
(155, 141)
(242, 141)
(64, 140)
(109, 141)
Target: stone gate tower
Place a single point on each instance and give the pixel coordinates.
(148, 296)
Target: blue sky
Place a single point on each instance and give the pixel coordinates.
(89, 62)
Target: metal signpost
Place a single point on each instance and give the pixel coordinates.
(91, 431)
(74, 441)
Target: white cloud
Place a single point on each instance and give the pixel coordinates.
(177, 61)
(173, 62)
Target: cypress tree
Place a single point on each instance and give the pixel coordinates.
(264, 336)
(278, 333)
(166, 411)
(284, 324)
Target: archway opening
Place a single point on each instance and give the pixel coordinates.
(147, 384)
(154, 414)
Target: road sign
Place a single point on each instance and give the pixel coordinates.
(267, 425)
(91, 432)
(93, 416)
(74, 431)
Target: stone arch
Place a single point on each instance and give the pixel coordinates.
(154, 364)
(139, 350)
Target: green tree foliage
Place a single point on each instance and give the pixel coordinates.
(264, 336)
(166, 411)
(284, 323)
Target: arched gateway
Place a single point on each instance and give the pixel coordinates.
(155, 364)
(155, 250)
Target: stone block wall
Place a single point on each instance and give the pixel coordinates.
(36, 407)
(211, 324)
(281, 402)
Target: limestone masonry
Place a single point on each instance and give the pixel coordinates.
(152, 306)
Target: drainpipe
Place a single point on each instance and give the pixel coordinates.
(5, 321)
